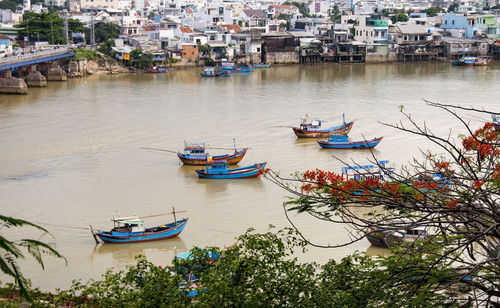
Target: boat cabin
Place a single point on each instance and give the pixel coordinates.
(216, 167)
(310, 124)
(337, 138)
(195, 149)
(382, 171)
(496, 120)
(209, 71)
(128, 224)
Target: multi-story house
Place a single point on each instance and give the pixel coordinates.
(371, 29)
(460, 26)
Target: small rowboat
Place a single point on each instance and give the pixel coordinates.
(217, 169)
(401, 232)
(311, 128)
(214, 72)
(261, 65)
(343, 142)
(195, 154)
(132, 230)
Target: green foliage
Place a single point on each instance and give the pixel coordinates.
(48, 27)
(283, 17)
(496, 7)
(204, 50)
(260, 270)
(105, 48)
(105, 31)
(12, 251)
(140, 60)
(432, 11)
(453, 7)
(335, 14)
(10, 4)
(303, 9)
(82, 53)
(209, 62)
(399, 17)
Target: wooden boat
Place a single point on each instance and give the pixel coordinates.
(400, 232)
(157, 69)
(217, 169)
(382, 171)
(131, 230)
(496, 121)
(195, 154)
(261, 65)
(343, 142)
(242, 68)
(311, 128)
(483, 61)
(214, 72)
(472, 61)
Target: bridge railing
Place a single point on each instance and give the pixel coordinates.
(34, 55)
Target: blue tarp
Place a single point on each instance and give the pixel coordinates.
(35, 61)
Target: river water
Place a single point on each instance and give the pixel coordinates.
(70, 153)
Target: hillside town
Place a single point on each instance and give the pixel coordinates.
(269, 31)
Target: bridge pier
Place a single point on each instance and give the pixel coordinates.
(56, 73)
(12, 85)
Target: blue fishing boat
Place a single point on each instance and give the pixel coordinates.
(397, 232)
(496, 121)
(217, 169)
(382, 171)
(311, 128)
(131, 230)
(261, 65)
(242, 68)
(214, 72)
(343, 142)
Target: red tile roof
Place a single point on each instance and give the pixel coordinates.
(230, 27)
(186, 30)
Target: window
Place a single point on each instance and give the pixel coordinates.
(452, 22)
(258, 49)
(445, 22)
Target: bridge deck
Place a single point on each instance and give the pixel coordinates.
(9, 63)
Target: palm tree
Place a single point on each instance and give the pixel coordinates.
(11, 251)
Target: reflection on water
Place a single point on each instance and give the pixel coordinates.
(126, 252)
(378, 251)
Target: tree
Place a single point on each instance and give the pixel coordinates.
(453, 7)
(141, 60)
(259, 270)
(335, 14)
(432, 11)
(47, 27)
(303, 9)
(400, 17)
(455, 194)
(12, 251)
(105, 31)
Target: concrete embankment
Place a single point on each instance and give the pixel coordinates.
(36, 79)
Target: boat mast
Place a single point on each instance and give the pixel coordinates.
(173, 212)
(234, 143)
(343, 118)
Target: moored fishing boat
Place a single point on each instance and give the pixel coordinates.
(157, 69)
(397, 232)
(217, 169)
(382, 171)
(242, 68)
(214, 72)
(496, 121)
(261, 65)
(131, 230)
(343, 142)
(195, 154)
(311, 128)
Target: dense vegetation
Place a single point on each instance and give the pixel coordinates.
(48, 27)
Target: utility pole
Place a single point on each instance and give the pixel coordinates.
(66, 37)
(51, 32)
(28, 30)
(92, 33)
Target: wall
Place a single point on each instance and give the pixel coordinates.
(283, 57)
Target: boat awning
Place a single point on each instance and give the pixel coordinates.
(133, 220)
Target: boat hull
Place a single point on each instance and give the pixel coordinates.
(135, 237)
(343, 130)
(350, 145)
(231, 159)
(239, 173)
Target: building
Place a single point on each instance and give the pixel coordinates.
(371, 29)
(460, 26)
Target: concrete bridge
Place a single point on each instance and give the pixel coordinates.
(14, 70)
